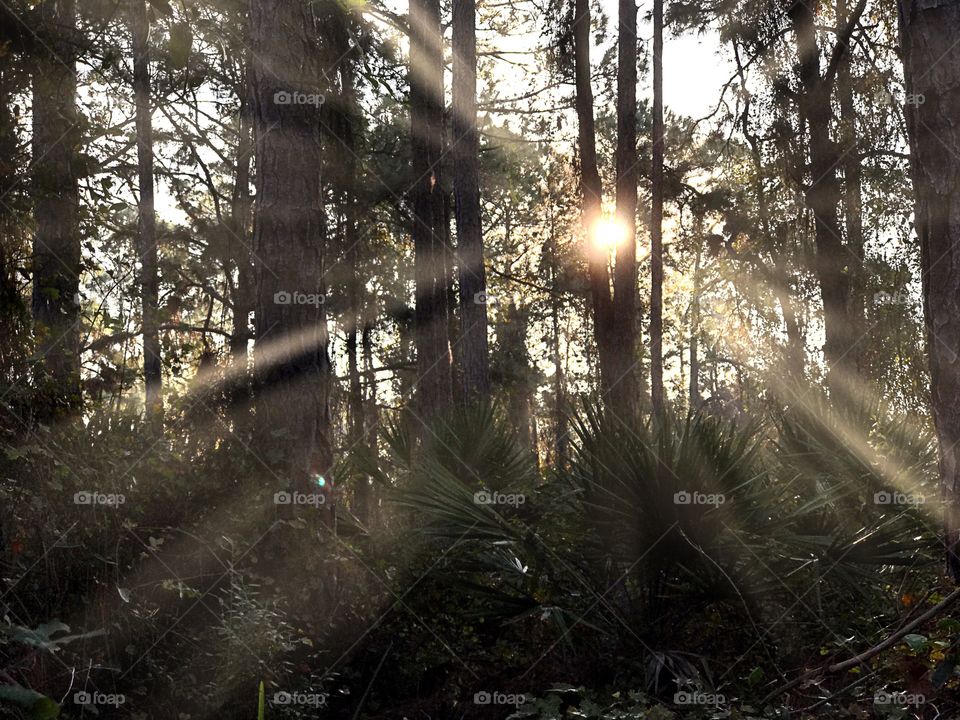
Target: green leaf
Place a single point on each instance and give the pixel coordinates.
(915, 642)
(44, 709)
(39, 706)
(42, 635)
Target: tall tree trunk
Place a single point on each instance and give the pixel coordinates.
(371, 412)
(426, 116)
(591, 195)
(777, 239)
(56, 246)
(795, 340)
(146, 216)
(625, 386)
(355, 406)
(561, 441)
(240, 227)
(292, 365)
(852, 195)
(931, 59)
(695, 323)
(515, 368)
(656, 217)
(466, 188)
(833, 259)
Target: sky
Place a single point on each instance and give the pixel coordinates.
(693, 74)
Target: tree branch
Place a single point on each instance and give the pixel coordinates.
(869, 653)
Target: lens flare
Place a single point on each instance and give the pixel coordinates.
(607, 233)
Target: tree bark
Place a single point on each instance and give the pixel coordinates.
(624, 386)
(466, 188)
(146, 215)
(371, 413)
(56, 246)
(591, 191)
(240, 227)
(560, 433)
(426, 121)
(656, 218)
(852, 195)
(355, 406)
(695, 324)
(833, 259)
(292, 365)
(931, 64)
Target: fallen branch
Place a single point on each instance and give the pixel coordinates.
(871, 652)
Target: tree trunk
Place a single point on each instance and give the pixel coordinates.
(372, 410)
(426, 116)
(931, 59)
(292, 366)
(833, 260)
(146, 216)
(656, 218)
(515, 368)
(371, 413)
(240, 220)
(591, 194)
(852, 196)
(355, 406)
(466, 188)
(777, 239)
(695, 324)
(56, 247)
(561, 441)
(625, 387)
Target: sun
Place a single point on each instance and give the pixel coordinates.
(607, 233)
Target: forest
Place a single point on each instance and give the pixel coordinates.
(476, 359)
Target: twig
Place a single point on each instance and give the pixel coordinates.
(869, 653)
